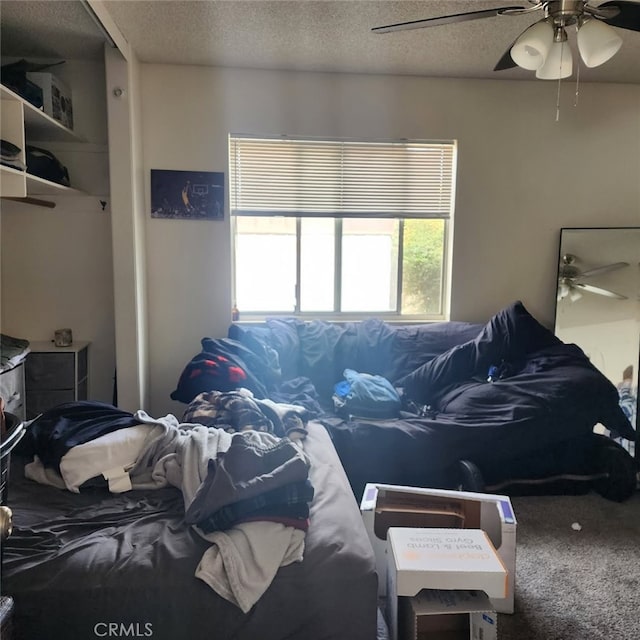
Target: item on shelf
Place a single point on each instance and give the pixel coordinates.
(63, 337)
(10, 155)
(14, 76)
(44, 164)
(8, 149)
(56, 97)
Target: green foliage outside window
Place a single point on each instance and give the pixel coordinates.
(423, 258)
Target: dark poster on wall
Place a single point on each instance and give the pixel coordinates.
(191, 195)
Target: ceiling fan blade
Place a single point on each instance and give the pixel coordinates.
(604, 269)
(599, 291)
(506, 62)
(435, 22)
(627, 17)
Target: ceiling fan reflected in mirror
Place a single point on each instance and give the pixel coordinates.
(543, 47)
(570, 278)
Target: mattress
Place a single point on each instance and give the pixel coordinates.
(95, 564)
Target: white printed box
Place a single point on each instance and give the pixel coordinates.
(383, 506)
(451, 559)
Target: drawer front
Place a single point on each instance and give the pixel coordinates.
(50, 371)
(40, 401)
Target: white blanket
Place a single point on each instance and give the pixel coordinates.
(244, 559)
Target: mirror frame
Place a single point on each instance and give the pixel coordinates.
(561, 251)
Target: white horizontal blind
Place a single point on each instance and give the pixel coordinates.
(341, 178)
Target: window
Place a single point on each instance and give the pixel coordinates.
(340, 227)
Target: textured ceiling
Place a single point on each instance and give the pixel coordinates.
(310, 35)
(54, 29)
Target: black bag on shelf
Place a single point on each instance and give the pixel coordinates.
(44, 164)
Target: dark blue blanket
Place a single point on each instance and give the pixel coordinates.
(539, 378)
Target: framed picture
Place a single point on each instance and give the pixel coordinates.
(193, 195)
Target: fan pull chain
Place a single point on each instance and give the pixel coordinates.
(559, 85)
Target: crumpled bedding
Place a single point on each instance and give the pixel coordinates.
(538, 376)
(176, 454)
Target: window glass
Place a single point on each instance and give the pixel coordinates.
(423, 266)
(369, 265)
(265, 264)
(317, 264)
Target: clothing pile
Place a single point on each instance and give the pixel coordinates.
(246, 492)
(260, 477)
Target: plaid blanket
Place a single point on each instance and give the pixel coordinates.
(238, 410)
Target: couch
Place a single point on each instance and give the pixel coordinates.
(508, 396)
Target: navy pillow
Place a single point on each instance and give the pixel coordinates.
(208, 372)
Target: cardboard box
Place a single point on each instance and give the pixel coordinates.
(435, 558)
(384, 505)
(436, 614)
(56, 97)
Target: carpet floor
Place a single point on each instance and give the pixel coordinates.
(577, 569)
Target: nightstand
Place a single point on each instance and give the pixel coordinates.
(54, 375)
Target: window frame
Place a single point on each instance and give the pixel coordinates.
(336, 314)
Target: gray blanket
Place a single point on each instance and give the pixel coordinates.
(243, 560)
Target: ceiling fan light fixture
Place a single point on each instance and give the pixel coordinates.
(597, 42)
(531, 49)
(559, 62)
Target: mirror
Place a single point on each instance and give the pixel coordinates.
(598, 306)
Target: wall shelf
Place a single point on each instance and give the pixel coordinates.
(37, 124)
(11, 181)
(23, 124)
(40, 187)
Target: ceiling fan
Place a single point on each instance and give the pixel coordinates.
(570, 279)
(543, 46)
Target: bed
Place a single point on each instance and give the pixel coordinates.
(100, 564)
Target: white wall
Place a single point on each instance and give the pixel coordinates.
(522, 176)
